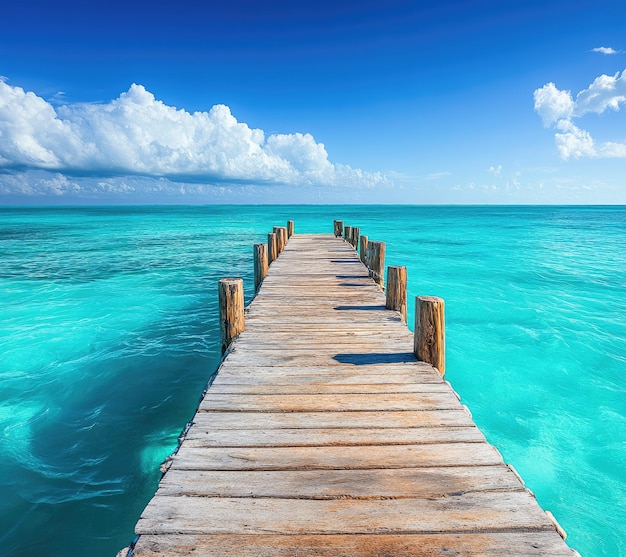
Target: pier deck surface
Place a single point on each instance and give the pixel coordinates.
(323, 436)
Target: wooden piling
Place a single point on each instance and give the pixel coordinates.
(363, 250)
(338, 228)
(260, 264)
(290, 228)
(272, 247)
(429, 343)
(279, 240)
(284, 237)
(231, 302)
(376, 261)
(347, 233)
(396, 290)
(354, 240)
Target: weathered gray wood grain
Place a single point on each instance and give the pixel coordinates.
(341, 484)
(472, 512)
(494, 544)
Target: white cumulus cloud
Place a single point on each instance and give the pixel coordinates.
(552, 104)
(605, 50)
(558, 108)
(136, 134)
(606, 91)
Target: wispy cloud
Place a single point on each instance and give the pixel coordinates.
(558, 109)
(138, 135)
(437, 175)
(605, 50)
(495, 170)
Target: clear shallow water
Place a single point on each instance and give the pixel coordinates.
(109, 334)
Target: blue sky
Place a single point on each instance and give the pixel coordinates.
(283, 101)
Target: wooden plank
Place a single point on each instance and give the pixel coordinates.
(340, 484)
(306, 358)
(492, 544)
(330, 420)
(317, 387)
(455, 513)
(336, 458)
(263, 376)
(203, 436)
(329, 402)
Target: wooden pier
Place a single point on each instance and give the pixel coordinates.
(322, 435)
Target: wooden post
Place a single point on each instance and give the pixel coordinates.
(354, 240)
(363, 242)
(284, 236)
(347, 233)
(396, 290)
(338, 228)
(279, 240)
(230, 294)
(376, 261)
(430, 340)
(290, 228)
(272, 247)
(281, 237)
(260, 264)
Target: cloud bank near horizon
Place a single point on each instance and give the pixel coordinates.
(138, 135)
(558, 109)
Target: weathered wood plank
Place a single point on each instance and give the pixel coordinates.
(264, 376)
(203, 436)
(330, 420)
(317, 387)
(311, 358)
(341, 484)
(495, 544)
(329, 402)
(455, 513)
(409, 367)
(336, 458)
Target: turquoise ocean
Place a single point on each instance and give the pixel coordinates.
(109, 333)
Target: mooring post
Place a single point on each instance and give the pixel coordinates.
(355, 237)
(272, 247)
(284, 236)
(279, 240)
(396, 290)
(376, 261)
(230, 295)
(338, 228)
(347, 234)
(290, 228)
(363, 250)
(430, 339)
(260, 264)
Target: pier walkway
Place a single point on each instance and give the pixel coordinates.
(323, 436)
